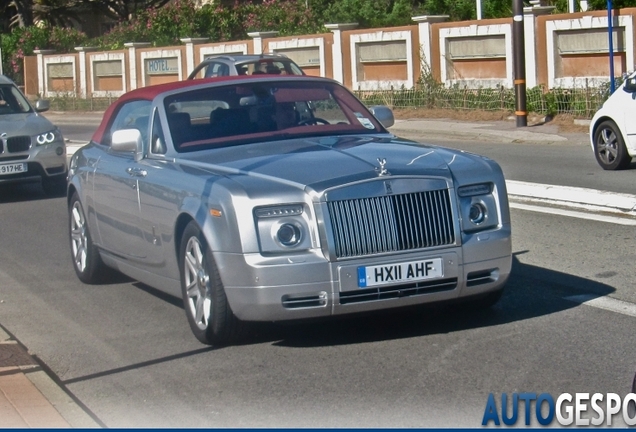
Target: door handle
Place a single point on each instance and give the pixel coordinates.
(137, 172)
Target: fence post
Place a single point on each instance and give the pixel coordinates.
(336, 50)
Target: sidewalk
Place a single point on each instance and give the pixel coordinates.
(498, 131)
(29, 398)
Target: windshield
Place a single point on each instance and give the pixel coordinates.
(264, 111)
(12, 101)
(276, 67)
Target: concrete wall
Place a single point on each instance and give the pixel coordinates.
(566, 50)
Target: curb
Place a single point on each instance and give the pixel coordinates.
(471, 131)
(590, 200)
(57, 406)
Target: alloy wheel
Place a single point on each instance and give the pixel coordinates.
(197, 283)
(607, 146)
(79, 239)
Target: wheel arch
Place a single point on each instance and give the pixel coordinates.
(72, 189)
(598, 122)
(182, 221)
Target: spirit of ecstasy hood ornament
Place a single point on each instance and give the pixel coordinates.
(382, 171)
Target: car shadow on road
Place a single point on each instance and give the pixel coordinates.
(531, 292)
(32, 191)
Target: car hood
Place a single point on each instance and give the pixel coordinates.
(24, 124)
(321, 163)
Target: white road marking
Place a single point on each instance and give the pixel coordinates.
(606, 303)
(574, 213)
(582, 198)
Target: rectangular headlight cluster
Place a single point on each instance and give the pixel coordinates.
(478, 207)
(283, 228)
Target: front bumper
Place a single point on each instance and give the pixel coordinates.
(43, 163)
(280, 289)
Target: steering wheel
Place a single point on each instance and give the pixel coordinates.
(313, 121)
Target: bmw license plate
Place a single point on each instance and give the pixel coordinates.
(12, 168)
(412, 271)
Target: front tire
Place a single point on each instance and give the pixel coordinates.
(207, 309)
(609, 147)
(87, 262)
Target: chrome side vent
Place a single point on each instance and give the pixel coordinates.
(392, 223)
(397, 291)
(291, 301)
(481, 277)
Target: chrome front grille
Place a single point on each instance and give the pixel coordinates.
(391, 223)
(18, 144)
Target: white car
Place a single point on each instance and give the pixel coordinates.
(613, 129)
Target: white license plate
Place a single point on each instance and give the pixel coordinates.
(412, 271)
(12, 168)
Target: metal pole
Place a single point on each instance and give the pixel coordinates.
(478, 9)
(611, 45)
(1, 71)
(519, 54)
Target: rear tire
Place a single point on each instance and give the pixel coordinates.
(87, 262)
(609, 147)
(209, 314)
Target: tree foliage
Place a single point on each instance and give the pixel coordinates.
(371, 13)
(123, 10)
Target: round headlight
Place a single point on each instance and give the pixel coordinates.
(477, 213)
(288, 234)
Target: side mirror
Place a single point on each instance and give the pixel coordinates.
(383, 114)
(42, 105)
(128, 140)
(630, 84)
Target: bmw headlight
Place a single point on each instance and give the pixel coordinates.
(478, 206)
(283, 228)
(48, 137)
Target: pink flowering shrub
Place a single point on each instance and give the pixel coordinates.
(23, 41)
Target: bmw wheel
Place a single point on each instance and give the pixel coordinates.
(609, 147)
(209, 314)
(87, 262)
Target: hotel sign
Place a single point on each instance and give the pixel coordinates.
(162, 66)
